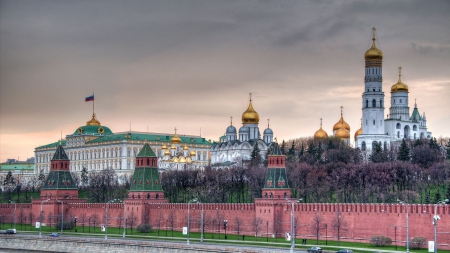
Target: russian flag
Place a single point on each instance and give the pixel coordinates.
(90, 98)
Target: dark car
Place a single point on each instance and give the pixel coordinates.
(54, 235)
(344, 251)
(315, 250)
(11, 231)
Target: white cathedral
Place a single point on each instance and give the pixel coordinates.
(399, 124)
(233, 151)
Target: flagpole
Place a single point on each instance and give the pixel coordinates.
(93, 102)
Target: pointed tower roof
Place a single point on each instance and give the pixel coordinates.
(276, 150)
(60, 154)
(276, 170)
(146, 151)
(415, 114)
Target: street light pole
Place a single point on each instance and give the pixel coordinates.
(106, 221)
(124, 220)
(326, 234)
(407, 224)
(62, 215)
(203, 226)
(292, 224)
(40, 218)
(189, 203)
(435, 219)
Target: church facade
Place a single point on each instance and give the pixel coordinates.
(234, 149)
(399, 124)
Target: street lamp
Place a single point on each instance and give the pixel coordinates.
(188, 225)
(395, 235)
(225, 224)
(14, 212)
(267, 234)
(292, 223)
(62, 215)
(407, 224)
(124, 220)
(40, 218)
(326, 234)
(435, 219)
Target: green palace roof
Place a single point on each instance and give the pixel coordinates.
(53, 145)
(17, 166)
(149, 137)
(92, 130)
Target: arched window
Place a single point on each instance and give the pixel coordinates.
(398, 126)
(363, 146)
(385, 146)
(367, 103)
(374, 144)
(381, 103)
(374, 103)
(414, 128)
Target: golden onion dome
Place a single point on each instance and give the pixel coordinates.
(182, 160)
(167, 152)
(373, 53)
(185, 147)
(175, 139)
(250, 116)
(341, 123)
(192, 153)
(343, 133)
(164, 146)
(93, 121)
(399, 86)
(188, 160)
(320, 134)
(175, 160)
(173, 147)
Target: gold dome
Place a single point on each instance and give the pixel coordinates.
(320, 134)
(167, 152)
(175, 160)
(164, 146)
(341, 123)
(182, 160)
(93, 121)
(250, 116)
(399, 86)
(343, 133)
(175, 139)
(188, 160)
(192, 153)
(185, 147)
(373, 53)
(357, 133)
(173, 147)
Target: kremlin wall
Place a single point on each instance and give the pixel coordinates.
(146, 202)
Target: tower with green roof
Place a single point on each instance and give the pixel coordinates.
(146, 184)
(276, 185)
(59, 183)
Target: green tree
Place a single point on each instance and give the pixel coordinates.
(84, 177)
(378, 154)
(291, 151)
(433, 144)
(41, 176)
(403, 152)
(418, 142)
(256, 158)
(9, 183)
(330, 145)
(283, 148)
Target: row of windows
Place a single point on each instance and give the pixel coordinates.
(374, 103)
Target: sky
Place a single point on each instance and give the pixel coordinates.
(190, 65)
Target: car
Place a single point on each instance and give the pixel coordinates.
(11, 231)
(344, 251)
(54, 235)
(315, 250)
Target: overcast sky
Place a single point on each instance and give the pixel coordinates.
(191, 65)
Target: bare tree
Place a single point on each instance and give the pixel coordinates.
(31, 217)
(277, 226)
(119, 220)
(316, 226)
(339, 226)
(50, 219)
(219, 220)
(256, 225)
(171, 220)
(239, 224)
(132, 218)
(83, 219)
(94, 219)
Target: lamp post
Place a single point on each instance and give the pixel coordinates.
(292, 223)
(40, 218)
(62, 214)
(124, 221)
(395, 235)
(14, 212)
(189, 218)
(407, 224)
(435, 219)
(203, 226)
(267, 234)
(326, 234)
(225, 224)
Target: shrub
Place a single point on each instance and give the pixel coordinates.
(418, 242)
(380, 241)
(144, 228)
(67, 225)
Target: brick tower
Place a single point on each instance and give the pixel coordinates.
(59, 183)
(276, 185)
(146, 184)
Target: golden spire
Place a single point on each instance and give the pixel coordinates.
(93, 121)
(268, 123)
(373, 53)
(399, 86)
(175, 139)
(231, 120)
